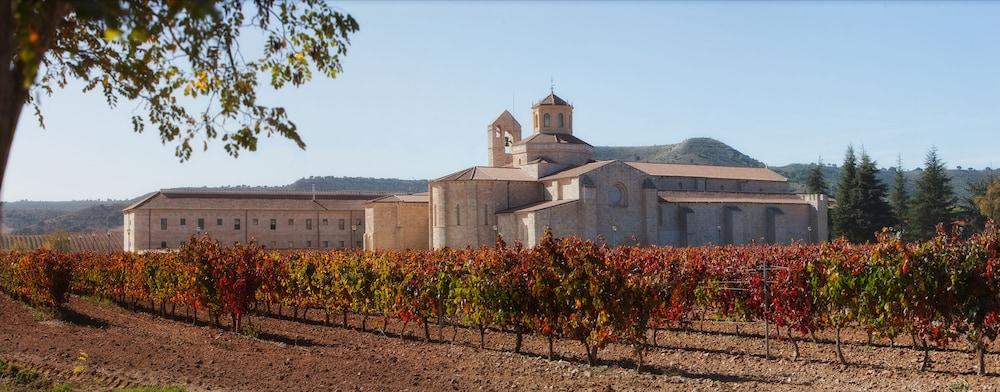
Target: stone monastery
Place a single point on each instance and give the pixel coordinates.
(547, 179)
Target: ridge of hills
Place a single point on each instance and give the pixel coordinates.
(40, 217)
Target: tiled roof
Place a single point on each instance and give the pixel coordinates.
(706, 171)
(551, 99)
(411, 198)
(538, 206)
(730, 197)
(506, 114)
(486, 173)
(575, 171)
(560, 138)
(270, 200)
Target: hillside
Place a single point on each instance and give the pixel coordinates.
(100, 217)
(701, 151)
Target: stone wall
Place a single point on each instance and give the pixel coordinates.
(396, 225)
(463, 213)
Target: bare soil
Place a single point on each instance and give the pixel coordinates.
(125, 348)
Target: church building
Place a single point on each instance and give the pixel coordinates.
(549, 179)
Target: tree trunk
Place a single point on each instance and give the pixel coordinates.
(364, 323)
(482, 336)
(345, 319)
(590, 355)
(12, 91)
(840, 354)
(402, 331)
(655, 330)
(640, 349)
(981, 357)
(551, 353)
(385, 324)
(926, 364)
(518, 338)
(427, 330)
(795, 343)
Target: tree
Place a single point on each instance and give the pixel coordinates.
(933, 199)
(899, 197)
(816, 183)
(969, 210)
(180, 61)
(846, 213)
(989, 201)
(869, 197)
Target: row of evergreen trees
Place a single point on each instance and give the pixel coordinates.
(864, 205)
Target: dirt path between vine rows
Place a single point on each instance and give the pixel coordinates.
(125, 348)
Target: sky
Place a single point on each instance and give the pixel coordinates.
(783, 82)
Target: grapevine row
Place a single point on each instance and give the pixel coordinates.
(935, 292)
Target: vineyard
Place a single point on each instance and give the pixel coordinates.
(934, 294)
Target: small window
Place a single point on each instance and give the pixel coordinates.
(618, 196)
(274, 224)
(183, 222)
(309, 224)
(201, 223)
(218, 221)
(236, 224)
(291, 244)
(486, 215)
(458, 215)
(256, 221)
(309, 244)
(680, 185)
(340, 224)
(561, 123)
(722, 187)
(163, 244)
(291, 222)
(546, 120)
(326, 244)
(341, 244)
(163, 223)
(326, 222)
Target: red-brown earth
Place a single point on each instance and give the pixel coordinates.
(125, 348)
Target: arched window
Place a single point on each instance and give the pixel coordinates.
(546, 120)
(618, 196)
(561, 122)
(458, 215)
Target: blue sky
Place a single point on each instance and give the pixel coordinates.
(783, 82)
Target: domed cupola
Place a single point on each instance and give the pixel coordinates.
(552, 115)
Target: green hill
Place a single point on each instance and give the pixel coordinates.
(699, 151)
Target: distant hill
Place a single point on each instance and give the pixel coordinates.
(699, 151)
(39, 217)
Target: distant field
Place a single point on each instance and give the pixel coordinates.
(78, 242)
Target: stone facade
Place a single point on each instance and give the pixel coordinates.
(278, 220)
(548, 180)
(397, 222)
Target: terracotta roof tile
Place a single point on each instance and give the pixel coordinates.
(575, 171)
(707, 171)
(487, 173)
(560, 138)
(228, 200)
(730, 197)
(411, 198)
(551, 99)
(538, 206)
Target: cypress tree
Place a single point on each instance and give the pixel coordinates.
(899, 198)
(874, 212)
(815, 183)
(846, 213)
(933, 199)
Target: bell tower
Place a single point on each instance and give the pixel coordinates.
(502, 134)
(552, 115)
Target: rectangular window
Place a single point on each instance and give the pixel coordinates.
(309, 244)
(201, 223)
(163, 223)
(309, 224)
(458, 215)
(163, 244)
(218, 221)
(291, 244)
(236, 224)
(274, 224)
(291, 222)
(326, 222)
(341, 244)
(340, 225)
(326, 244)
(486, 216)
(256, 221)
(183, 222)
